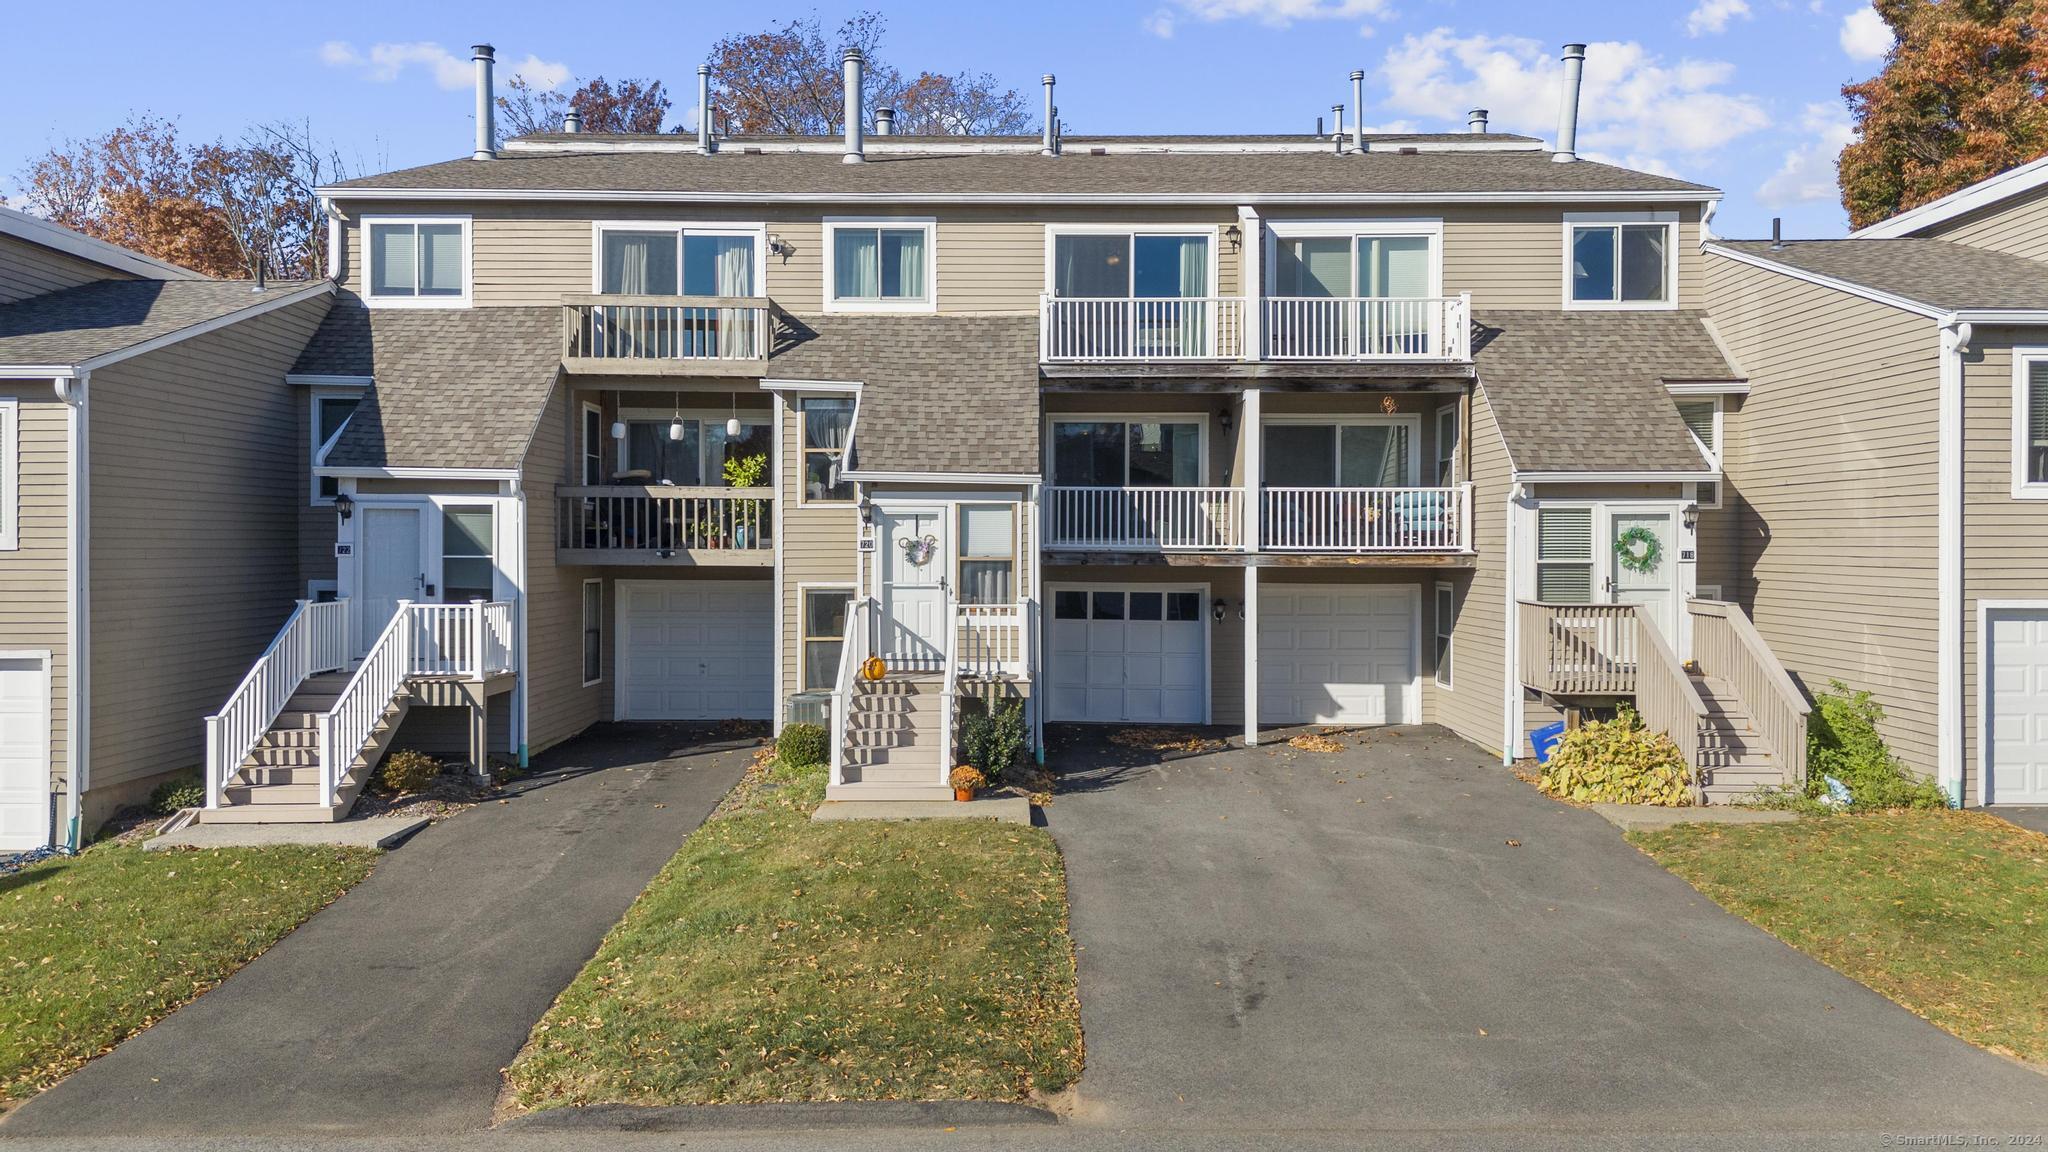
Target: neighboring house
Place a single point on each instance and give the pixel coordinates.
(146, 433)
(1887, 472)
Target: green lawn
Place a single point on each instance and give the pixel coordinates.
(778, 960)
(1944, 912)
(97, 947)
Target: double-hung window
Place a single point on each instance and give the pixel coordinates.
(1621, 261)
(1703, 419)
(418, 262)
(1564, 555)
(467, 567)
(988, 553)
(331, 412)
(1133, 295)
(828, 420)
(879, 265)
(824, 634)
(2030, 423)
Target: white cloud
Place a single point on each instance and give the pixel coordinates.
(1808, 173)
(385, 62)
(1278, 13)
(1712, 16)
(1160, 23)
(1634, 104)
(1865, 35)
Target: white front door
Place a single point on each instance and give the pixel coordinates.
(1642, 558)
(1339, 655)
(696, 649)
(1123, 653)
(24, 755)
(392, 541)
(2016, 727)
(913, 587)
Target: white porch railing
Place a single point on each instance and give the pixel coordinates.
(993, 640)
(661, 518)
(1140, 328)
(1366, 519)
(949, 692)
(854, 649)
(616, 327)
(1145, 519)
(314, 639)
(1367, 327)
(472, 640)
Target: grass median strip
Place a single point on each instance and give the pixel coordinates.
(1944, 912)
(95, 948)
(774, 959)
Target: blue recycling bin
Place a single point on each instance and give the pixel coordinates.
(1544, 740)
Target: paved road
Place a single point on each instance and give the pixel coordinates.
(392, 1011)
(1402, 936)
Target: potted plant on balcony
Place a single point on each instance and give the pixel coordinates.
(965, 780)
(746, 472)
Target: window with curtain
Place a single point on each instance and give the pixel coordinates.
(1621, 263)
(988, 553)
(417, 260)
(879, 263)
(1312, 266)
(1090, 266)
(1118, 454)
(1564, 555)
(330, 415)
(674, 262)
(824, 622)
(827, 421)
(465, 555)
(2034, 438)
(1372, 455)
(593, 631)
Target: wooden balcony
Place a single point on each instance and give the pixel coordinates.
(1421, 523)
(1579, 650)
(661, 524)
(666, 335)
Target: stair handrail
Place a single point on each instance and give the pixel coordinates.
(1727, 645)
(314, 638)
(348, 723)
(852, 653)
(955, 618)
(1666, 698)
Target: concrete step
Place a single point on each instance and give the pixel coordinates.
(274, 814)
(888, 792)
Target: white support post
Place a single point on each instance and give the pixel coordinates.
(1252, 281)
(1251, 656)
(476, 639)
(214, 775)
(1253, 480)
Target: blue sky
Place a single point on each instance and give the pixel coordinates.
(1741, 94)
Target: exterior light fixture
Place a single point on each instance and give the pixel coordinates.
(1225, 420)
(675, 427)
(344, 506)
(1691, 516)
(1218, 609)
(776, 245)
(732, 423)
(1235, 235)
(618, 429)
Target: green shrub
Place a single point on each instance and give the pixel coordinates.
(1842, 741)
(992, 742)
(803, 745)
(1617, 761)
(408, 770)
(186, 790)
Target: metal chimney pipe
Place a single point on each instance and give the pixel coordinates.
(1476, 121)
(1777, 233)
(572, 121)
(1319, 127)
(1568, 107)
(1050, 146)
(852, 63)
(1337, 126)
(704, 109)
(885, 121)
(1358, 110)
(486, 127)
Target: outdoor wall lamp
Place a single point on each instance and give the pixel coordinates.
(1235, 235)
(777, 245)
(1217, 610)
(1691, 516)
(1225, 420)
(344, 506)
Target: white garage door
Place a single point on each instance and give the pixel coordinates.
(2018, 723)
(24, 763)
(1123, 653)
(1338, 655)
(696, 649)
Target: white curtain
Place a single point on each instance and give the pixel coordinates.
(735, 261)
(856, 264)
(909, 246)
(987, 549)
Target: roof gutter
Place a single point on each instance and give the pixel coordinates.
(1671, 196)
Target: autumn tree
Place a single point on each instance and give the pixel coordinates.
(1961, 98)
(630, 106)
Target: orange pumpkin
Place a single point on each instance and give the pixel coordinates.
(873, 668)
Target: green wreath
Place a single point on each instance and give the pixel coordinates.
(1638, 550)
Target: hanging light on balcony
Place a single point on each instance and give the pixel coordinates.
(675, 427)
(732, 424)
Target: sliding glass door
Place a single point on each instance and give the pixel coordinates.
(1134, 295)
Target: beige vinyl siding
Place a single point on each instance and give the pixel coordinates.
(2005, 543)
(819, 546)
(28, 269)
(195, 491)
(558, 705)
(34, 577)
(2018, 226)
(1831, 479)
(1479, 658)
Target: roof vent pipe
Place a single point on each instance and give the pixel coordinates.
(704, 109)
(1568, 106)
(1319, 127)
(885, 121)
(1358, 110)
(1337, 126)
(486, 130)
(852, 62)
(1777, 233)
(1050, 145)
(1476, 121)
(572, 121)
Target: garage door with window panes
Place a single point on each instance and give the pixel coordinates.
(1120, 654)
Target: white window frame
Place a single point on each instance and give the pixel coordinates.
(1013, 557)
(369, 273)
(803, 497)
(1431, 227)
(930, 300)
(583, 609)
(1576, 220)
(2022, 488)
(1213, 233)
(757, 232)
(10, 474)
(1447, 427)
(1442, 634)
(320, 448)
(803, 636)
(1711, 452)
(587, 451)
(1410, 420)
(1199, 419)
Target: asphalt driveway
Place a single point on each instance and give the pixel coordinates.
(392, 1011)
(1404, 936)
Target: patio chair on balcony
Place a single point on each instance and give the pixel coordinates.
(1422, 518)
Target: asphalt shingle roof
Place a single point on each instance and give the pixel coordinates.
(1938, 273)
(1584, 391)
(940, 394)
(455, 388)
(1076, 174)
(79, 324)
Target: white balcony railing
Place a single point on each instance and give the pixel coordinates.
(1367, 328)
(612, 327)
(1145, 519)
(659, 519)
(1140, 328)
(993, 639)
(1366, 519)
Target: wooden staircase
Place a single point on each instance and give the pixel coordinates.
(894, 744)
(279, 781)
(1734, 758)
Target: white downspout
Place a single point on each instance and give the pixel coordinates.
(78, 606)
(1949, 727)
(521, 694)
(1511, 691)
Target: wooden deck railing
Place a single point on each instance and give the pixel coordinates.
(1579, 649)
(1726, 646)
(662, 518)
(616, 327)
(1666, 698)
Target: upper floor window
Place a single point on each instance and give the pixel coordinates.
(827, 422)
(1324, 264)
(1703, 419)
(1351, 452)
(1126, 454)
(418, 261)
(331, 411)
(1621, 261)
(879, 265)
(1125, 265)
(2030, 423)
(676, 260)
(1447, 445)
